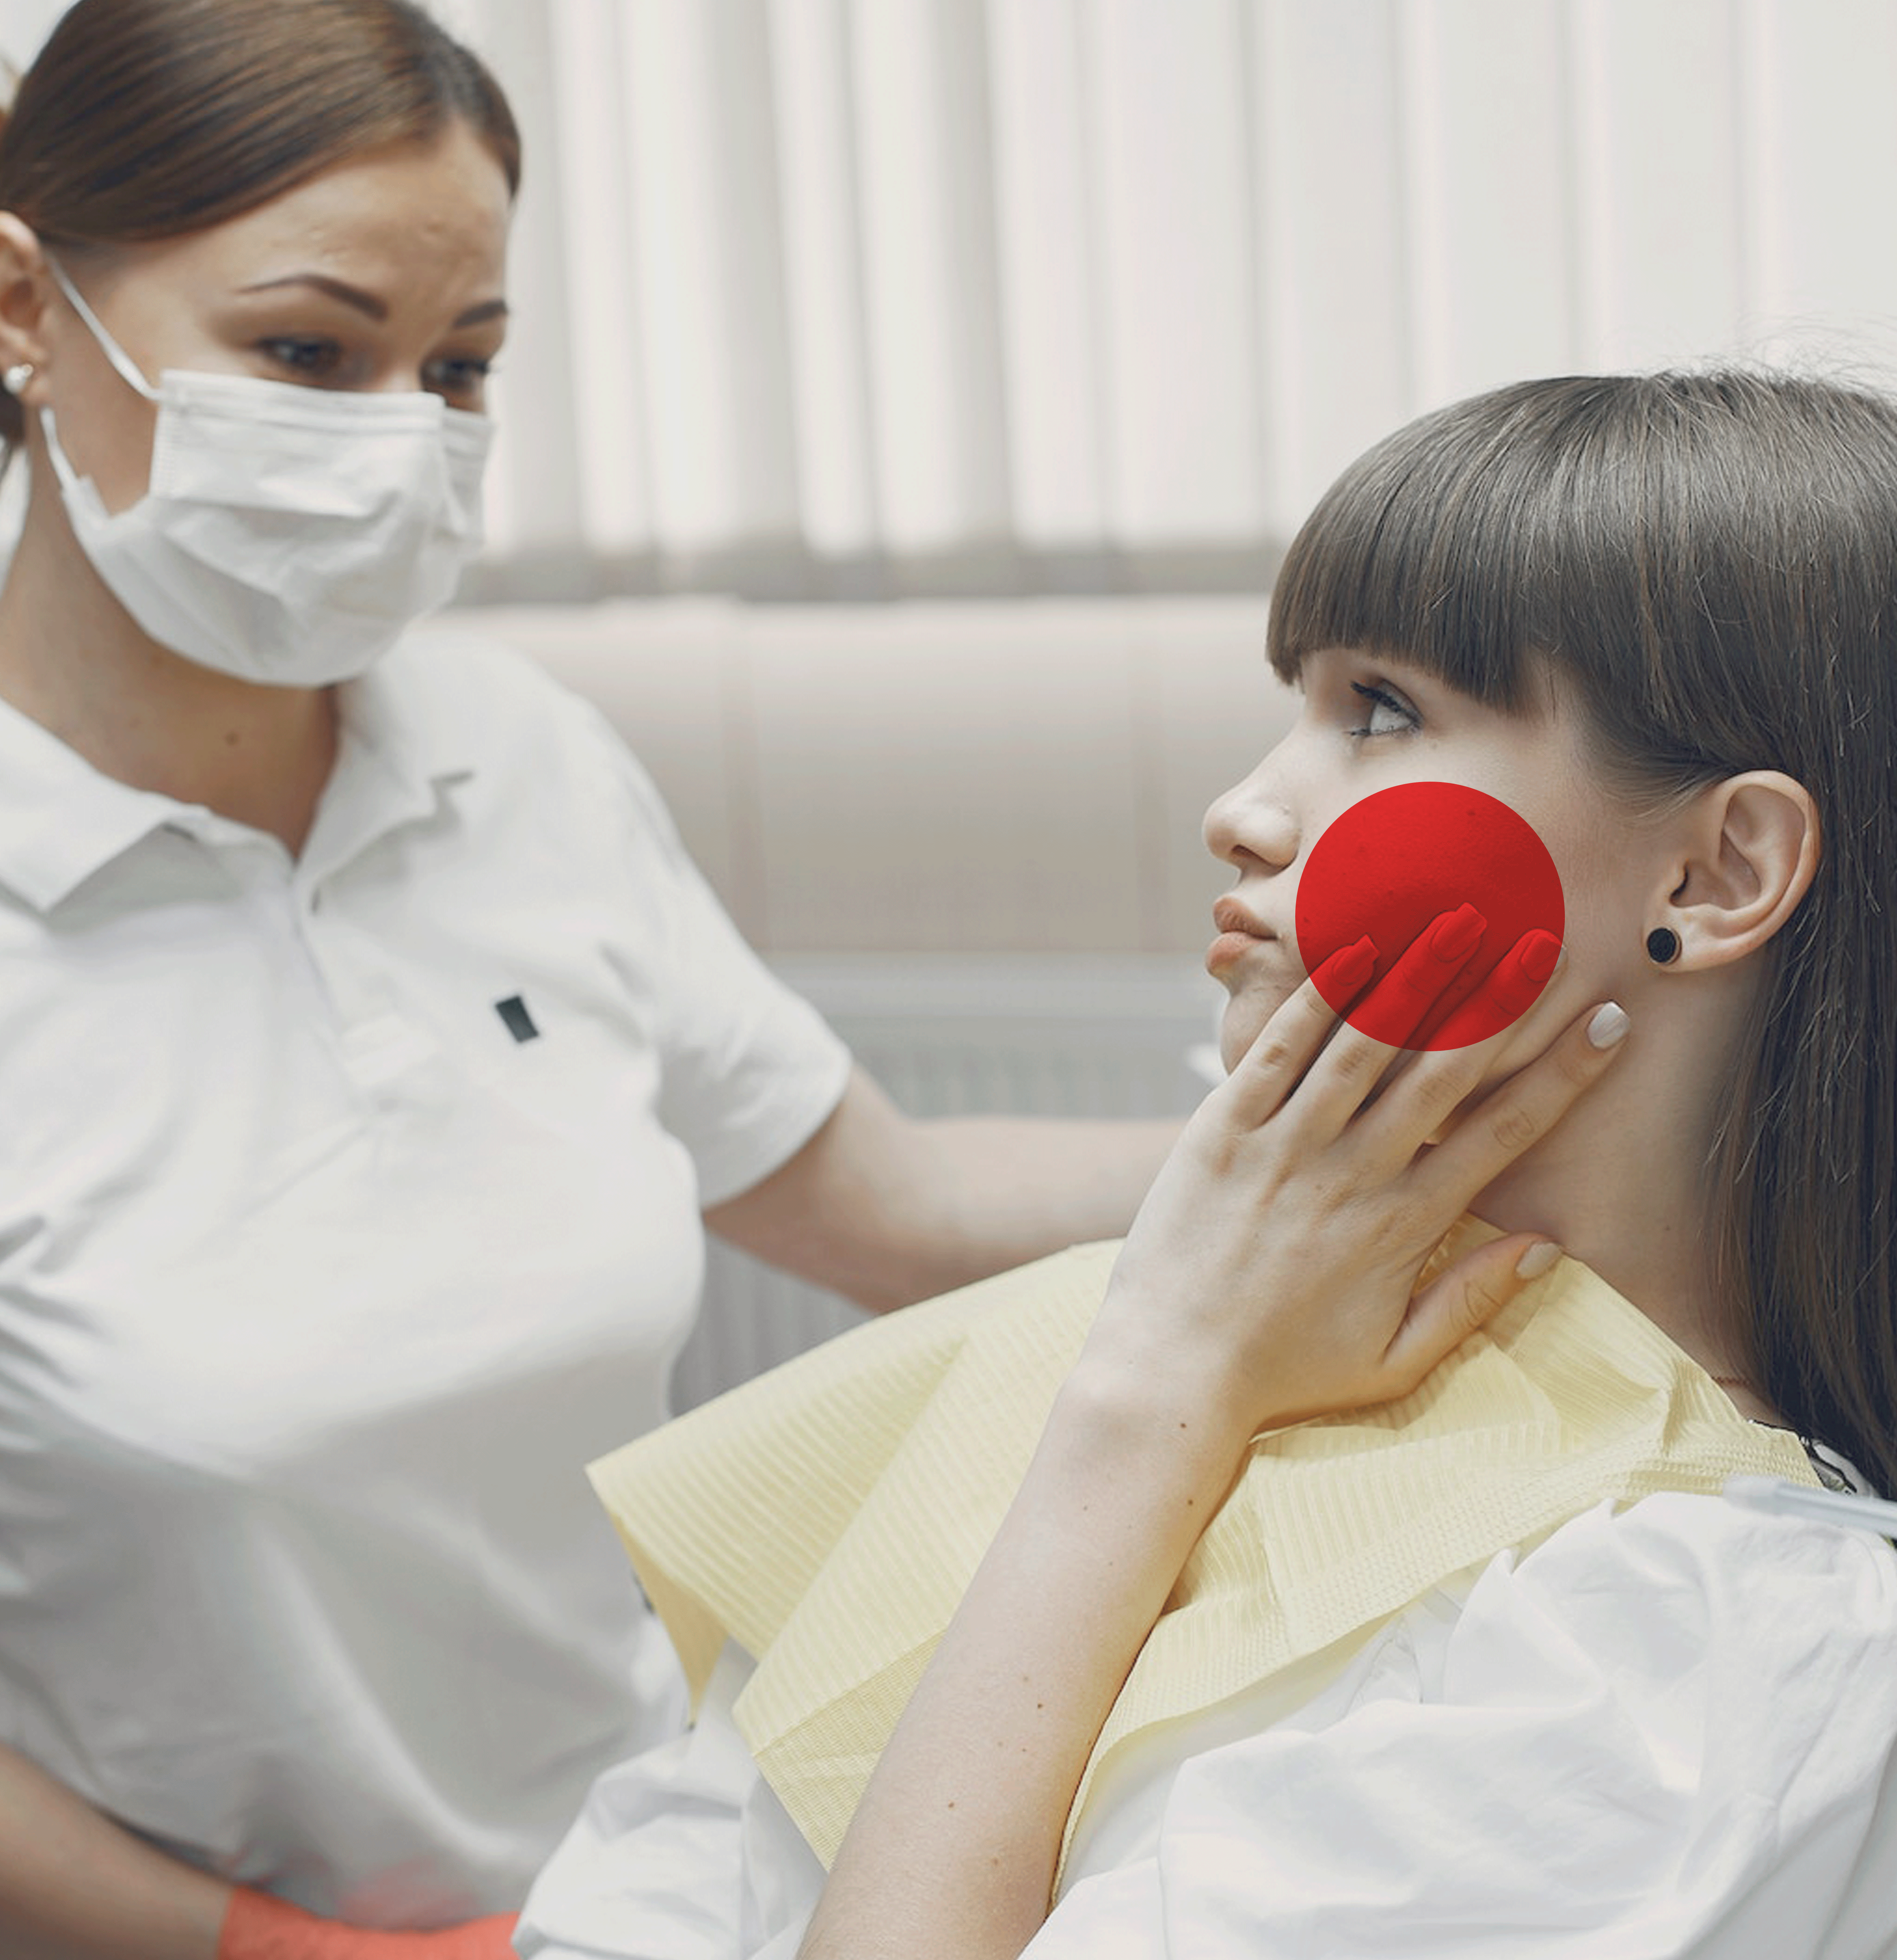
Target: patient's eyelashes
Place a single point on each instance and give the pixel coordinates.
(1389, 713)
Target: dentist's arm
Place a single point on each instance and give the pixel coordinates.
(75, 1886)
(886, 1208)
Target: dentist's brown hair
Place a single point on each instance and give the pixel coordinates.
(150, 118)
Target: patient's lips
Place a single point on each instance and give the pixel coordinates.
(1239, 932)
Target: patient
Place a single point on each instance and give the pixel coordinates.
(1338, 1567)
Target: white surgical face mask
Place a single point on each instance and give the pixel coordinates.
(289, 535)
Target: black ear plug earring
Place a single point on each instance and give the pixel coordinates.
(1662, 945)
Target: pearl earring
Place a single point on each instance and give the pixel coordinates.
(17, 376)
(1662, 945)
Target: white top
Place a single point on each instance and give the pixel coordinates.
(1668, 1731)
(322, 1275)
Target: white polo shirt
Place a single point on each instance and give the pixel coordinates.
(348, 1206)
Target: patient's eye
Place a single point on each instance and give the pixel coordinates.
(1389, 713)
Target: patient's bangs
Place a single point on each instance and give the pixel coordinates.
(1425, 549)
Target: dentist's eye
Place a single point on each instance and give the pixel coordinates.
(458, 378)
(1389, 713)
(302, 359)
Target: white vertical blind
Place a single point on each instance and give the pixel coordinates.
(808, 287)
(1056, 428)
(1171, 158)
(1492, 156)
(823, 263)
(694, 93)
(1132, 279)
(1825, 75)
(1337, 359)
(538, 498)
(609, 361)
(1661, 191)
(926, 201)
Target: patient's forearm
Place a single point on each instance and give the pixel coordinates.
(952, 1853)
(75, 1886)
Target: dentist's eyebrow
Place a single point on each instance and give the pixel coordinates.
(367, 302)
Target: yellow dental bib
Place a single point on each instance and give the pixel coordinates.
(828, 1516)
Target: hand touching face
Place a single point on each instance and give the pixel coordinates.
(1270, 1275)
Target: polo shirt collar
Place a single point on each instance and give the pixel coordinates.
(401, 745)
(61, 820)
(401, 712)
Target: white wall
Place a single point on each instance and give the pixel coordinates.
(943, 778)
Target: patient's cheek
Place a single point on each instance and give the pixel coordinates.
(1399, 859)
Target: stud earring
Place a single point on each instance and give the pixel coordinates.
(1662, 945)
(17, 376)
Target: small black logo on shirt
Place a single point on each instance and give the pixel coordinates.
(520, 1023)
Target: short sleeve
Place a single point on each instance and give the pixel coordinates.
(1668, 1731)
(750, 1070)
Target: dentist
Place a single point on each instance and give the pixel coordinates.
(375, 1058)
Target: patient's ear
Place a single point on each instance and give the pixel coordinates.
(1748, 852)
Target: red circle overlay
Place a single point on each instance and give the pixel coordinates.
(1402, 857)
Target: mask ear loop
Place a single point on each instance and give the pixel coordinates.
(69, 478)
(114, 352)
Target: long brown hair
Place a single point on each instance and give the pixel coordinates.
(1710, 560)
(149, 119)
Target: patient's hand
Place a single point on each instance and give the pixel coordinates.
(1269, 1275)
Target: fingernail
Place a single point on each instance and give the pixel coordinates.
(1609, 1023)
(1540, 954)
(1354, 965)
(1456, 935)
(1537, 1260)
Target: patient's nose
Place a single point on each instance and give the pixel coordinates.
(1250, 824)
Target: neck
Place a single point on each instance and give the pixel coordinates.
(73, 659)
(1621, 1184)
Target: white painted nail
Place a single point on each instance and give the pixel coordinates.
(1609, 1023)
(1537, 1260)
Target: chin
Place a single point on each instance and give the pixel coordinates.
(1244, 1018)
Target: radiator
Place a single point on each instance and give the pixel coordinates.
(1042, 1035)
